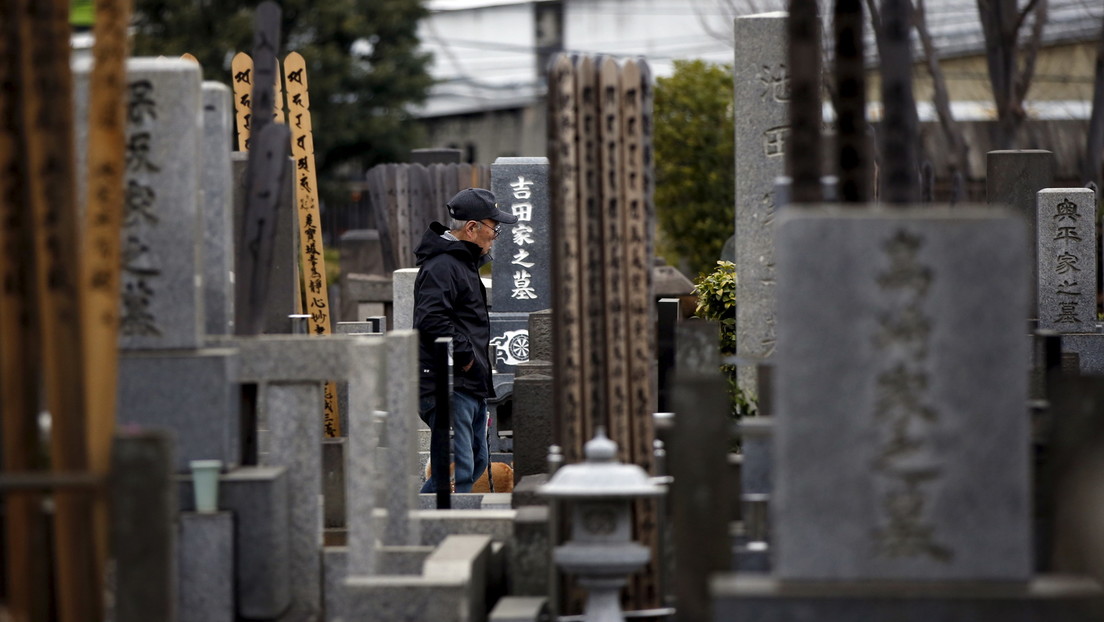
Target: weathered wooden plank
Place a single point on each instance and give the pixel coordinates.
(45, 80)
(640, 320)
(403, 236)
(591, 299)
(377, 192)
(26, 573)
(101, 249)
(566, 309)
(613, 257)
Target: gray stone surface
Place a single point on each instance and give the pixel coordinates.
(509, 341)
(740, 597)
(362, 481)
(697, 348)
(439, 524)
(460, 500)
(216, 208)
(762, 133)
(1089, 348)
(467, 557)
(526, 491)
(365, 295)
(335, 561)
(400, 496)
(361, 252)
(1012, 177)
(755, 469)
(540, 335)
(143, 536)
(294, 412)
(530, 552)
(161, 300)
(902, 367)
(402, 560)
(283, 286)
(700, 497)
(452, 586)
(1066, 230)
(300, 358)
(520, 609)
(193, 393)
(523, 251)
(402, 297)
(534, 429)
(206, 566)
(258, 499)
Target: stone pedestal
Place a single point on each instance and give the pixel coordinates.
(192, 393)
(257, 497)
(206, 567)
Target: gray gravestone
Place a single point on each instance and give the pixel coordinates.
(401, 495)
(1066, 234)
(762, 128)
(294, 414)
(523, 256)
(403, 297)
(143, 536)
(902, 367)
(290, 371)
(258, 499)
(191, 392)
(206, 567)
(216, 193)
(161, 304)
(1012, 178)
(362, 481)
(522, 252)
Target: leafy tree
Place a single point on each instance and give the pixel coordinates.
(363, 65)
(694, 163)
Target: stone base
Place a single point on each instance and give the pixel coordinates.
(193, 393)
(206, 567)
(258, 499)
(740, 597)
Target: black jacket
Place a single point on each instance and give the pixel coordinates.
(450, 301)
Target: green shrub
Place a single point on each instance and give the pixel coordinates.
(716, 292)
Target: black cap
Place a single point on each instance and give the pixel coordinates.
(477, 204)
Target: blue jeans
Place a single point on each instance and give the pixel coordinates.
(469, 438)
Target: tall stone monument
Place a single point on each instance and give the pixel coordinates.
(762, 98)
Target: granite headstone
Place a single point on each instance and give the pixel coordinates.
(1066, 249)
(762, 99)
(902, 367)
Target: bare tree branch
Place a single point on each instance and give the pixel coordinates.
(1030, 53)
(960, 151)
(1094, 142)
(1023, 15)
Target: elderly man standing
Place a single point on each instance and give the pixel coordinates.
(450, 301)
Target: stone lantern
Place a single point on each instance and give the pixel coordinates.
(601, 552)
